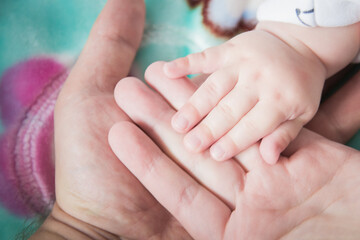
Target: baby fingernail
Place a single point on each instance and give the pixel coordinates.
(192, 142)
(180, 123)
(217, 152)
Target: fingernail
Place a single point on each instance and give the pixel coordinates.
(192, 142)
(180, 123)
(217, 152)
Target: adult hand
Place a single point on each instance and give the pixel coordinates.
(95, 193)
(312, 193)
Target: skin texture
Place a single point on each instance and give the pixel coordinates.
(98, 198)
(311, 194)
(92, 185)
(263, 84)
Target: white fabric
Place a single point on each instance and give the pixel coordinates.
(226, 13)
(311, 13)
(290, 11)
(324, 13)
(335, 13)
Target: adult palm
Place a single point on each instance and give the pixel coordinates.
(312, 194)
(91, 184)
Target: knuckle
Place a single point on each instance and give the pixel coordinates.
(309, 112)
(278, 96)
(285, 112)
(185, 61)
(150, 74)
(149, 168)
(195, 58)
(300, 106)
(291, 95)
(136, 14)
(186, 197)
(257, 76)
(248, 125)
(212, 89)
(226, 110)
(203, 55)
(292, 104)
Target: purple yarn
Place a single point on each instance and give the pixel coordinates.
(28, 92)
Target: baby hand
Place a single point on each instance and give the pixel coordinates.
(260, 87)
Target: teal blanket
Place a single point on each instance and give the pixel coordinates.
(40, 41)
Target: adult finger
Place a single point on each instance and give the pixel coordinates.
(339, 116)
(175, 91)
(153, 114)
(178, 192)
(111, 47)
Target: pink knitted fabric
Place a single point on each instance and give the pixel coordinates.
(28, 92)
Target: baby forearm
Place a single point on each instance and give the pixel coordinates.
(335, 47)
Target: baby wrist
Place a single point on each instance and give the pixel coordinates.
(285, 33)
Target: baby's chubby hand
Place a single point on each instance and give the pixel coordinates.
(260, 87)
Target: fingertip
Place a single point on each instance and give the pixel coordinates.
(217, 153)
(134, 97)
(170, 69)
(270, 151)
(179, 123)
(270, 157)
(154, 71)
(116, 134)
(192, 143)
(112, 135)
(123, 86)
(113, 39)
